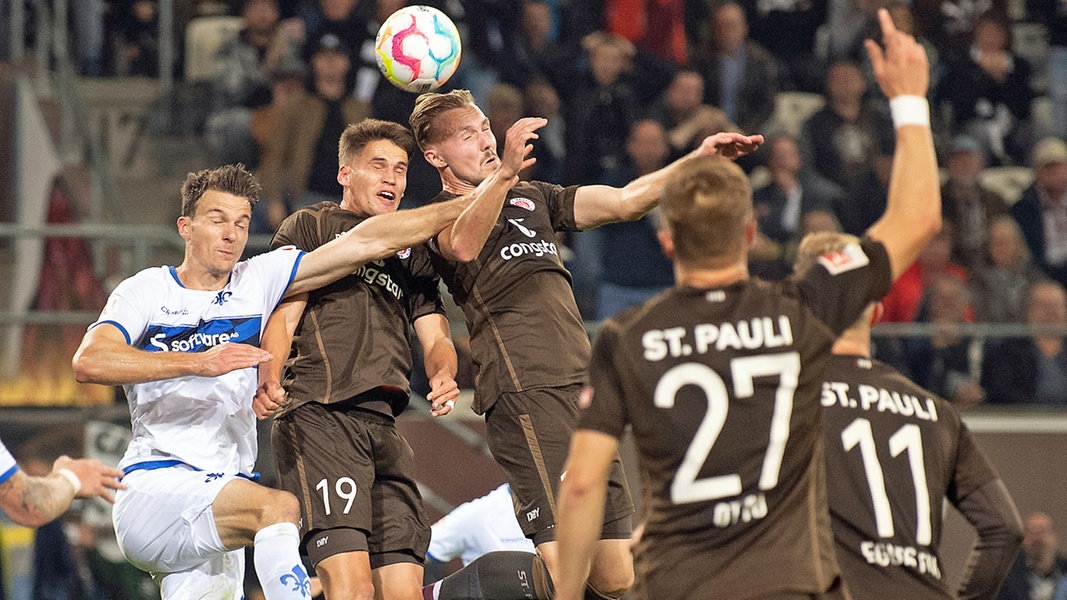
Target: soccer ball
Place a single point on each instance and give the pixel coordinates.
(417, 48)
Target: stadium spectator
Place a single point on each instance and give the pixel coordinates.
(849, 142)
(632, 265)
(906, 297)
(681, 110)
(946, 362)
(1002, 283)
(535, 54)
(872, 492)
(780, 206)
(32, 501)
(736, 507)
(520, 310)
(1031, 370)
(968, 206)
(788, 29)
(299, 162)
(246, 69)
(989, 93)
(740, 76)
(1040, 571)
(183, 341)
(1042, 210)
(603, 109)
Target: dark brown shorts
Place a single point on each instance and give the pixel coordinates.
(529, 434)
(351, 469)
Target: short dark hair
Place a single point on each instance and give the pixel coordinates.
(357, 135)
(231, 179)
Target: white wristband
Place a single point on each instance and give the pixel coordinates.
(910, 110)
(72, 478)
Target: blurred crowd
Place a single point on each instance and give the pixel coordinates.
(628, 85)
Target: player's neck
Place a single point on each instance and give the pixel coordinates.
(200, 279)
(454, 185)
(706, 278)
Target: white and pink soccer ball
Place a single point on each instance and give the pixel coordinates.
(417, 48)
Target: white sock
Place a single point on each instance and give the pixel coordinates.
(278, 565)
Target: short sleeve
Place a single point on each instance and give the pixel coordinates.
(448, 536)
(560, 203)
(841, 284)
(127, 307)
(299, 229)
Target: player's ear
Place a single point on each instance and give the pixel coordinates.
(434, 158)
(342, 175)
(666, 242)
(183, 226)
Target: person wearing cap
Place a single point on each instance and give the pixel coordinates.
(966, 205)
(299, 160)
(244, 75)
(1042, 210)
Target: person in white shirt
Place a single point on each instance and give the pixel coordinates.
(183, 342)
(477, 527)
(33, 501)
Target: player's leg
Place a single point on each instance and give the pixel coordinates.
(346, 575)
(248, 513)
(324, 457)
(494, 576)
(164, 524)
(529, 435)
(400, 531)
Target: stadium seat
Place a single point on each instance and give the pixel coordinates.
(203, 35)
(1009, 182)
(792, 109)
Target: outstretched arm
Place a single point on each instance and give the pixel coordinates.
(913, 209)
(598, 204)
(376, 237)
(104, 357)
(463, 240)
(33, 501)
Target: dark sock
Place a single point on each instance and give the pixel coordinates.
(502, 575)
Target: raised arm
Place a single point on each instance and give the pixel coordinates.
(598, 204)
(33, 501)
(104, 357)
(277, 339)
(913, 209)
(463, 240)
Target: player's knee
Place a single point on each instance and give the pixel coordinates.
(594, 592)
(280, 507)
(350, 589)
(610, 584)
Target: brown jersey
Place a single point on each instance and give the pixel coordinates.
(721, 389)
(525, 328)
(354, 334)
(895, 452)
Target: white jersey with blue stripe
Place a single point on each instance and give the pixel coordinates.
(8, 466)
(204, 422)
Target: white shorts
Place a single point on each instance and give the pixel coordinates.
(164, 525)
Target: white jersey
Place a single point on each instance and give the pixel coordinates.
(482, 525)
(7, 464)
(204, 422)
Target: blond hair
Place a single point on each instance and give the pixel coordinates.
(814, 245)
(707, 205)
(430, 106)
